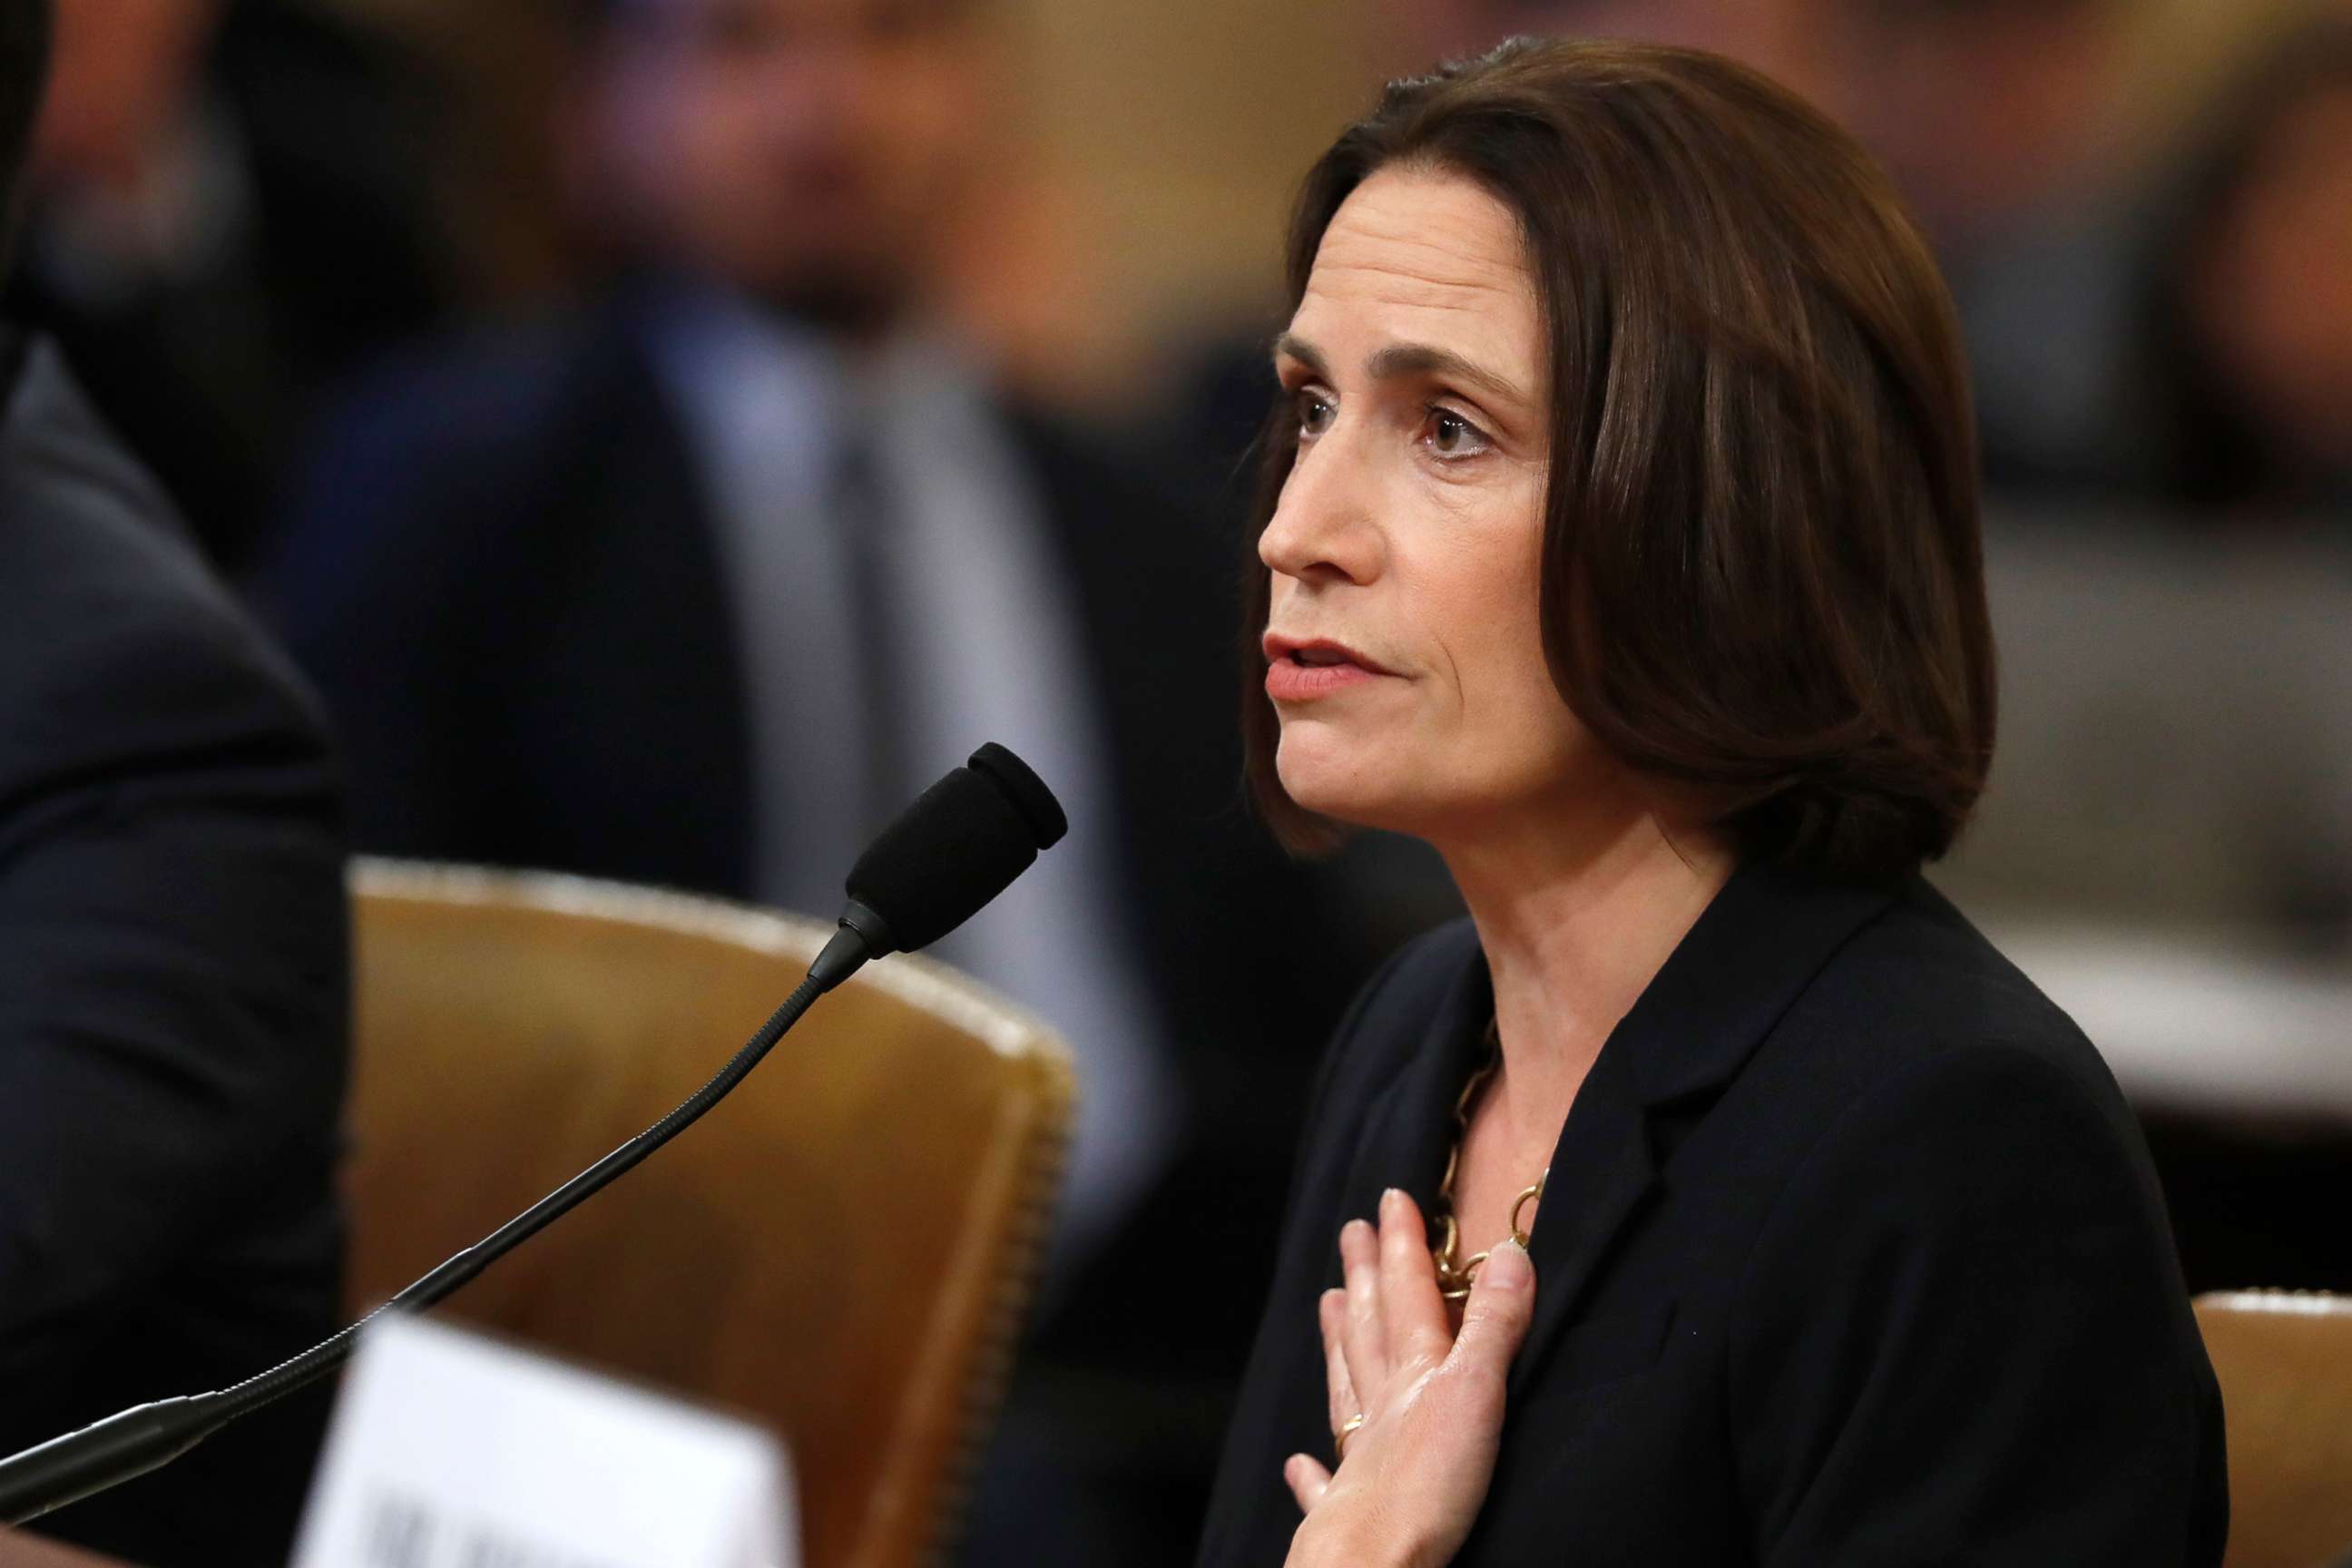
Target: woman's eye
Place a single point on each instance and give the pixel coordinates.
(1450, 436)
(1314, 413)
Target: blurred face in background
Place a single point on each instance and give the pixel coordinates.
(1405, 645)
(2272, 291)
(123, 75)
(807, 150)
(1981, 109)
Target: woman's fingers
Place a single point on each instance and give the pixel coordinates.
(1366, 1340)
(1412, 1309)
(1307, 1478)
(1331, 1312)
(1494, 1320)
(1429, 1442)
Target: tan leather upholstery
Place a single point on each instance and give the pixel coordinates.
(842, 1249)
(2284, 1359)
(24, 1549)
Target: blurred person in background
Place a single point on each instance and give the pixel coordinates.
(696, 583)
(1993, 116)
(2251, 331)
(173, 971)
(232, 203)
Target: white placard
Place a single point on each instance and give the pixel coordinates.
(450, 1450)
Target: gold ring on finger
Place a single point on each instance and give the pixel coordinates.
(1339, 1438)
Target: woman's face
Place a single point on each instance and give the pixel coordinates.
(1404, 645)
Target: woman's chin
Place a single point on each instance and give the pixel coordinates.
(1332, 782)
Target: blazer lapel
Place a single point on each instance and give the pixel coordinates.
(1409, 1129)
(1600, 1172)
(1737, 969)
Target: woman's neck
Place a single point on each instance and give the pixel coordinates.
(1574, 928)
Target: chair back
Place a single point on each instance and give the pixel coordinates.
(841, 1250)
(2284, 1361)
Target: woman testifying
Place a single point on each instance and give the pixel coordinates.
(1620, 539)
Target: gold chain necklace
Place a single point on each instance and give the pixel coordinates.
(1454, 1280)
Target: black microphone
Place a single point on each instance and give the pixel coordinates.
(962, 843)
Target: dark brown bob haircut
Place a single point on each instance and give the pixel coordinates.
(1762, 569)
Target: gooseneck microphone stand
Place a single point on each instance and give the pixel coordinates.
(962, 843)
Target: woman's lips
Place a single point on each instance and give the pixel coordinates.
(1300, 672)
(1287, 681)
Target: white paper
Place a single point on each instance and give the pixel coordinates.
(450, 1450)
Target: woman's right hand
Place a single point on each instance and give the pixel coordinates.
(1415, 1469)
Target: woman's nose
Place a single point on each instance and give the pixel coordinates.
(1322, 526)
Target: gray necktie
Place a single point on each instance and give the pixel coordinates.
(869, 545)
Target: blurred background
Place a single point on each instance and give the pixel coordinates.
(571, 380)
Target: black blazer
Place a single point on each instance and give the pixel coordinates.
(173, 960)
(1851, 1253)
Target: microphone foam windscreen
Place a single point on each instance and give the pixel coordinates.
(1027, 792)
(960, 844)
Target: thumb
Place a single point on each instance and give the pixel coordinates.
(1502, 1301)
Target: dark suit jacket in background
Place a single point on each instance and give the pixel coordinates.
(210, 368)
(1851, 1253)
(172, 962)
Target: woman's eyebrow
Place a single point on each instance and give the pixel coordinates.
(1425, 359)
(1289, 345)
(1400, 360)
